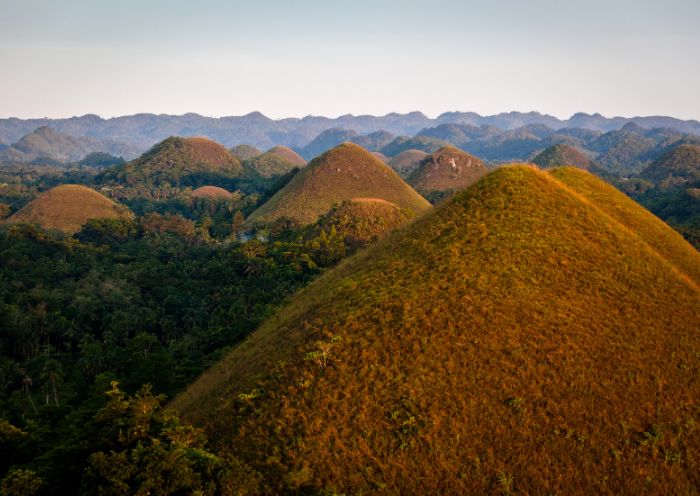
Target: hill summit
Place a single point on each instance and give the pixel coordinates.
(345, 172)
(563, 155)
(524, 337)
(67, 207)
(177, 161)
(447, 169)
(277, 161)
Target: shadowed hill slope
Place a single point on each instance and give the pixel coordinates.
(67, 207)
(406, 162)
(682, 162)
(518, 339)
(448, 169)
(563, 155)
(245, 152)
(345, 172)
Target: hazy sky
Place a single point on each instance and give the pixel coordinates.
(327, 57)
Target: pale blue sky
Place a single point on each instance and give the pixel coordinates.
(326, 57)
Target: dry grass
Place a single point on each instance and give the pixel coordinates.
(526, 337)
(211, 192)
(245, 152)
(288, 154)
(68, 207)
(406, 162)
(448, 169)
(345, 172)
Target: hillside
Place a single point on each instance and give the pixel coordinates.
(67, 207)
(45, 143)
(406, 162)
(448, 169)
(325, 141)
(562, 155)
(681, 163)
(288, 154)
(177, 161)
(361, 221)
(211, 192)
(490, 347)
(345, 172)
(245, 152)
(277, 161)
(403, 143)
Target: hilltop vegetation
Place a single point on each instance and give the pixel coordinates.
(345, 172)
(489, 347)
(678, 166)
(276, 162)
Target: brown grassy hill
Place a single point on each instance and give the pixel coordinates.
(563, 155)
(177, 161)
(211, 192)
(680, 163)
(448, 169)
(245, 152)
(288, 154)
(361, 221)
(381, 156)
(67, 207)
(519, 339)
(342, 173)
(405, 163)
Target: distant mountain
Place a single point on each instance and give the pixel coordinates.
(374, 141)
(144, 130)
(325, 141)
(425, 144)
(245, 152)
(45, 143)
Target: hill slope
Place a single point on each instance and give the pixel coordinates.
(490, 347)
(245, 152)
(345, 172)
(288, 154)
(563, 155)
(276, 162)
(681, 162)
(177, 161)
(406, 162)
(211, 192)
(68, 207)
(448, 169)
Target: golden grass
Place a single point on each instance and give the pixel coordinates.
(519, 339)
(68, 207)
(288, 154)
(345, 172)
(406, 162)
(448, 169)
(211, 192)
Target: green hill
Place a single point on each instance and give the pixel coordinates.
(67, 207)
(342, 173)
(448, 169)
(563, 155)
(519, 339)
(276, 162)
(680, 164)
(178, 162)
(245, 152)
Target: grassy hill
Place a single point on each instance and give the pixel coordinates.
(563, 155)
(276, 162)
(67, 207)
(447, 169)
(245, 152)
(406, 162)
(345, 172)
(519, 339)
(403, 143)
(179, 162)
(680, 163)
(211, 192)
(288, 154)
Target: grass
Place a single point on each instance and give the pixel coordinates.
(563, 155)
(211, 192)
(245, 152)
(681, 162)
(521, 338)
(275, 162)
(344, 172)
(288, 154)
(67, 207)
(406, 162)
(448, 169)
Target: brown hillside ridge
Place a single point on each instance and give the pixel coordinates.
(361, 221)
(381, 156)
(342, 173)
(563, 155)
(406, 162)
(448, 169)
(211, 192)
(522, 338)
(68, 207)
(288, 154)
(245, 152)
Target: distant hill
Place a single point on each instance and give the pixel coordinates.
(211, 192)
(561, 155)
(381, 157)
(422, 143)
(288, 154)
(67, 207)
(406, 162)
(623, 152)
(491, 347)
(345, 172)
(100, 160)
(245, 152)
(277, 161)
(448, 169)
(681, 163)
(325, 141)
(374, 141)
(177, 161)
(45, 143)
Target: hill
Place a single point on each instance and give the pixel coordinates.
(211, 192)
(373, 141)
(361, 220)
(45, 143)
(179, 162)
(245, 152)
(277, 161)
(448, 169)
(345, 172)
(562, 155)
(423, 143)
(67, 207)
(381, 156)
(406, 162)
(681, 163)
(489, 347)
(288, 154)
(325, 141)
(623, 152)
